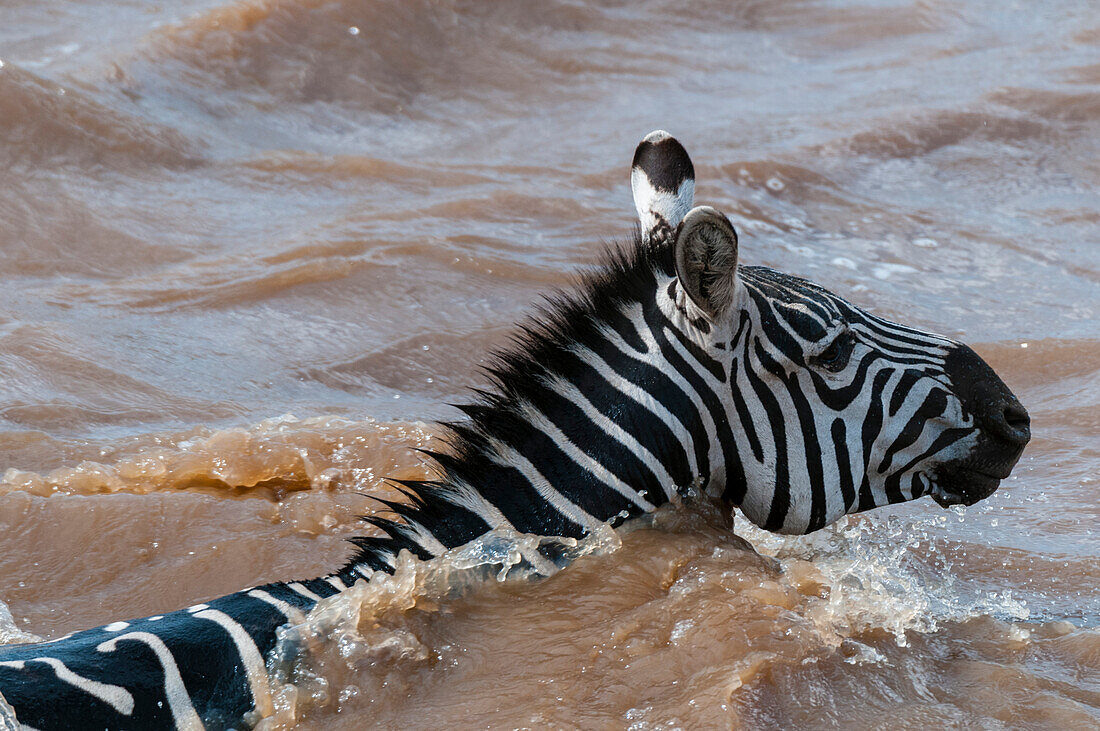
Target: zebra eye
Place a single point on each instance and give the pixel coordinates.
(835, 357)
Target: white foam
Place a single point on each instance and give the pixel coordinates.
(351, 620)
(877, 580)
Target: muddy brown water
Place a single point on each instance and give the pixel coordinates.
(251, 249)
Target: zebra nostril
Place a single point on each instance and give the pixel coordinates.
(1015, 424)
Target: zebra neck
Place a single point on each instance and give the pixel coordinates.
(613, 425)
(611, 410)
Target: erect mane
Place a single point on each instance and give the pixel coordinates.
(438, 510)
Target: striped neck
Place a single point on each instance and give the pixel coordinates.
(626, 421)
(609, 408)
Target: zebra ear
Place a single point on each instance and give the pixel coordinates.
(706, 260)
(662, 179)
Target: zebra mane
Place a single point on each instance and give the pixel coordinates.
(443, 512)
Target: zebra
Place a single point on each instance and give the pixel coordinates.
(672, 370)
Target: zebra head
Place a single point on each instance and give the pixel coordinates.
(831, 410)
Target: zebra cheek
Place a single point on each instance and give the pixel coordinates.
(760, 487)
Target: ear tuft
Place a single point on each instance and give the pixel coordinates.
(662, 179)
(706, 260)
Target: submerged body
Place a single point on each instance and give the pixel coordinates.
(200, 667)
(673, 370)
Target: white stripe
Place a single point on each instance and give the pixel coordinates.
(799, 494)
(115, 696)
(250, 658)
(932, 340)
(336, 583)
(573, 394)
(584, 461)
(657, 359)
(756, 503)
(714, 447)
(421, 535)
(460, 493)
(506, 456)
(365, 571)
(714, 451)
(116, 626)
(198, 608)
(643, 399)
(906, 410)
(179, 703)
(302, 591)
(291, 613)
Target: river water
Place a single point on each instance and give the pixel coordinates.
(250, 250)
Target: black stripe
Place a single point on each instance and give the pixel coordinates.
(875, 325)
(590, 439)
(869, 431)
(777, 334)
(909, 378)
(574, 483)
(866, 497)
(510, 492)
(284, 593)
(803, 324)
(203, 650)
(689, 413)
(644, 426)
(320, 587)
(932, 406)
(659, 321)
(781, 497)
(781, 287)
(811, 447)
(842, 397)
(839, 433)
(41, 700)
(623, 325)
(941, 442)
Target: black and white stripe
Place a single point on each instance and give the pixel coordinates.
(200, 667)
(673, 369)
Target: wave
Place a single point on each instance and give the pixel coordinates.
(912, 138)
(672, 620)
(54, 381)
(382, 55)
(47, 123)
(269, 459)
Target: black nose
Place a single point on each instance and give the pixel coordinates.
(985, 395)
(1010, 422)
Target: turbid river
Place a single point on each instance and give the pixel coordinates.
(250, 250)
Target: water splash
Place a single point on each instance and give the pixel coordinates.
(10, 634)
(367, 624)
(886, 573)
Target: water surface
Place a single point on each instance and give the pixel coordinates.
(250, 250)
